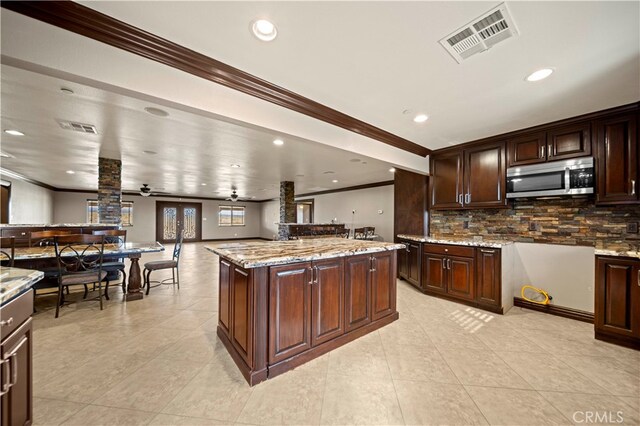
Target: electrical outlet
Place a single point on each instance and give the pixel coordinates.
(465, 224)
(632, 227)
(533, 226)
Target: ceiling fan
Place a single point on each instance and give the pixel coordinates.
(234, 197)
(145, 190)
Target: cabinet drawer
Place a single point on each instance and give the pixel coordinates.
(448, 249)
(16, 312)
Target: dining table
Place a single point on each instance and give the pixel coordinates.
(131, 250)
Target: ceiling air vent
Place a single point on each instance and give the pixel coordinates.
(480, 34)
(78, 127)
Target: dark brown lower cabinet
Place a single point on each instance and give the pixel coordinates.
(409, 260)
(488, 277)
(464, 274)
(617, 300)
(16, 349)
(274, 318)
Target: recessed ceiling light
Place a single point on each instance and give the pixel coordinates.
(355, 160)
(14, 132)
(278, 142)
(299, 175)
(203, 184)
(156, 111)
(328, 172)
(364, 162)
(71, 172)
(540, 74)
(264, 30)
(420, 118)
(6, 155)
(150, 152)
(335, 181)
(235, 166)
(66, 91)
(392, 170)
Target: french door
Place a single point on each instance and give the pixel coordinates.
(172, 216)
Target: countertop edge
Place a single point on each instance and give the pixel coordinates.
(614, 253)
(466, 243)
(19, 285)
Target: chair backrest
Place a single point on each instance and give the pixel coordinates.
(358, 233)
(79, 253)
(45, 238)
(369, 231)
(7, 250)
(344, 232)
(113, 236)
(178, 247)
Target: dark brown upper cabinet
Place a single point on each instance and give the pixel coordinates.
(617, 154)
(527, 149)
(470, 178)
(446, 181)
(569, 142)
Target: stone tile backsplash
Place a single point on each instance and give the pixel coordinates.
(569, 221)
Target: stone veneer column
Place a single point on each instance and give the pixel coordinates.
(109, 190)
(287, 208)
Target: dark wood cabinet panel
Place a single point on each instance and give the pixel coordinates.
(383, 288)
(410, 203)
(413, 264)
(484, 176)
(617, 307)
(434, 273)
(357, 292)
(289, 310)
(527, 149)
(569, 141)
(224, 299)
(16, 354)
(488, 277)
(461, 280)
(242, 313)
(327, 306)
(403, 260)
(617, 150)
(446, 180)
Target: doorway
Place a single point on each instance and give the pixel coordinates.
(172, 216)
(304, 211)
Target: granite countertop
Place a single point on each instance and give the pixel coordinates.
(620, 253)
(257, 254)
(308, 224)
(456, 241)
(48, 252)
(55, 225)
(14, 281)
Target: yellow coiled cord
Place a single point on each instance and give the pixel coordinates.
(539, 291)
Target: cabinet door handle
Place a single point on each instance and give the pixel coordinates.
(6, 322)
(487, 251)
(315, 268)
(549, 151)
(467, 198)
(542, 151)
(444, 263)
(311, 278)
(373, 264)
(460, 199)
(6, 384)
(633, 187)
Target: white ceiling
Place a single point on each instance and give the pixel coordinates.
(191, 148)
(372, 60)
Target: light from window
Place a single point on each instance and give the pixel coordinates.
(126, 212)
(230, 216)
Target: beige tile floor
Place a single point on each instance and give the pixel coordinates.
(158, 361)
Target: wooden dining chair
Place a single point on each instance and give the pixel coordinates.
(172, 264)
(79, 258)
(50, 279)
(114, 236)
(359, 233)
(45, 238)
(7, 251)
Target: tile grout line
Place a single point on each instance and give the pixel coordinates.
(395, 390)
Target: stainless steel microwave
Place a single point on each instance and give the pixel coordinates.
(567, 177)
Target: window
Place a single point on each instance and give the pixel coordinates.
(126, 212)
(230, 216)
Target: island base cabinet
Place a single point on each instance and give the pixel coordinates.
(16, 370)
(280, 317)
(617, 304)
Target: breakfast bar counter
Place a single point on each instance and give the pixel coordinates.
(284, 303)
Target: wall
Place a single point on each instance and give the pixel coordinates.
(29, 203)
(567, 221)
(366, 202)
(268, 219)
(71, 207)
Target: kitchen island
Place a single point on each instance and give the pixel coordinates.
(284, 303)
